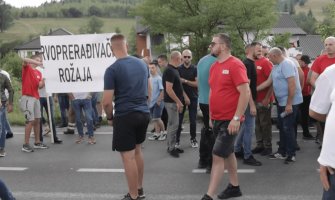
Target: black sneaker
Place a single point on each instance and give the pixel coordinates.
(266, 152)
(141, 194)
(57, 141)
(179, 150)
(206, 197)
(69, 131)
(257, 150)
(308, 137)
(202, 164)
(297, 147)
(230, 191)
(128, 197)
(9, 135)
(289, 159)
(239, 154)
(174, 153)
(252, 161)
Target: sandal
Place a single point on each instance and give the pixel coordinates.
(91, 140)
(80, 139)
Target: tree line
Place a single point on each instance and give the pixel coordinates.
(78, 8)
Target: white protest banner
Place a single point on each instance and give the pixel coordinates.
(76, 63)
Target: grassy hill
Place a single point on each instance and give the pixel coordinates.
(316, 6)
(24, 29)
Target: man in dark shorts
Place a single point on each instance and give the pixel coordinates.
(128, 79)
(228, 101)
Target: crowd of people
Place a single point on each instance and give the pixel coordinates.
(235, 97)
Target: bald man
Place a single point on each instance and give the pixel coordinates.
(286, 86)
(188, 77)
(319, 65)
(323, 61)
(173, 99)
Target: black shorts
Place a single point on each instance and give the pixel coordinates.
(129, 130)
(224, 143)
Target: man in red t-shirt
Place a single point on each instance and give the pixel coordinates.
(323, 61)
(29, 103)
(263, 104)
(228, 100)
(319, 65)
(304, 60)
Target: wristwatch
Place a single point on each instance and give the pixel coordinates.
(236, 118)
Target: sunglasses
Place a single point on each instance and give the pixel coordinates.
(189, 57)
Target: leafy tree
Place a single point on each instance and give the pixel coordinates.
(327, 27)
(307, 22)
(302, 2)
(280, 40)
(12, 63)
(200, 19)
(94, 25)
(94, 11)
(132, 41)
(5, 16)
(117, 30)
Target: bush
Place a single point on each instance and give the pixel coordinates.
(12, 63)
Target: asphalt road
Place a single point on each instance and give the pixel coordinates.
(82, 171)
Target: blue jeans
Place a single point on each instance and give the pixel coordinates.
(8, 129)
(2, 127)
(44, 105)
(192, 113)
(330, 194)
(287, 142)
(95, 113)
(244, 137)
(5, 194)
(63, 100)
(86, 106)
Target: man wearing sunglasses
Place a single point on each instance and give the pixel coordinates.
(188, 77)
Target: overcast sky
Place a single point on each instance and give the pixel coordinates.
(22, 3)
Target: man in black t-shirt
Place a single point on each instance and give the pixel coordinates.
(173, 98)
(188, 77)
(244, 138)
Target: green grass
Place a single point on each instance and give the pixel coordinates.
(316, 6)
(22, 29)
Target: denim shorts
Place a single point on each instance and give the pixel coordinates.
(224, 143)
(156, 111)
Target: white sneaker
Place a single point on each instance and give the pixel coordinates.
(194, 143)
(154, 137)
(162, 137)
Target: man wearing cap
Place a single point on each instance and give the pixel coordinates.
(304, 60)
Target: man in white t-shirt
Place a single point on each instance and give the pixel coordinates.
(321, 109)
(82, 102)
(44, 106)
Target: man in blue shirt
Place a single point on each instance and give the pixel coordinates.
(286, 86)
(207, 138)
(128, 80)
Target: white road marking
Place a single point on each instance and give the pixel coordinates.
(240, 171)
(100, 170)
(13, 168)
(102, 196)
